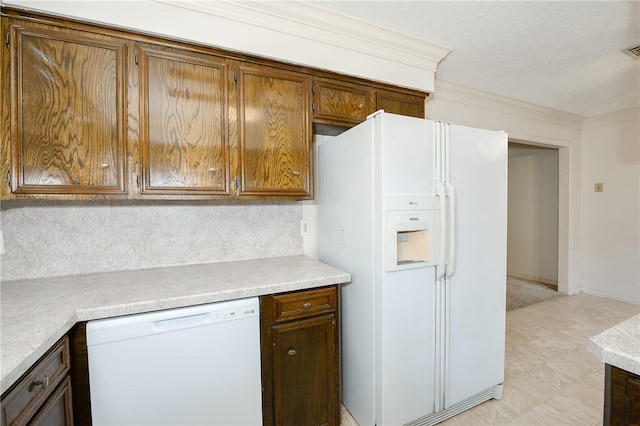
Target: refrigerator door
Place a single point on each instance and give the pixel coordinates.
(346, 235)
(477, 286)
(405, 299)
(405, 346)
(387, 323)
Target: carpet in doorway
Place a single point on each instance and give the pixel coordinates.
(522, 293)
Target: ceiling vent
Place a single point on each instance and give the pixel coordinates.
(634, 52)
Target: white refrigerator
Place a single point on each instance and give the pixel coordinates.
(416, 211)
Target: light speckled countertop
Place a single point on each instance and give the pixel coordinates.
(619, 346)
(36, 313)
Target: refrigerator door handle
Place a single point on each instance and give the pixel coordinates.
(451, 194)
(441, 269)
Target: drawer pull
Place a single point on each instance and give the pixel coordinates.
(306, 305)
(291, 352)
(44, 382)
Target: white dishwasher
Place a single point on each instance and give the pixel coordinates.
(198, 365)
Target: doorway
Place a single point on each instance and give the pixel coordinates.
(532, 233)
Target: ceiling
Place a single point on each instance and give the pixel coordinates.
(565, 55)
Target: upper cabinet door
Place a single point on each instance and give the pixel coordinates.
(400, 103)
(183, 122)
(340, 103)
(274, 132)
(67, 112)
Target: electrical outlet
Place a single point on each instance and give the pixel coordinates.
(305, 228)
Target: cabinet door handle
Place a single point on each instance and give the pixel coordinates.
(104, 165)
(306, 305)
(44, 382)
(296, 173)
(291, 352)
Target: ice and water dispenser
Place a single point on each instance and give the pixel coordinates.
(412, 232)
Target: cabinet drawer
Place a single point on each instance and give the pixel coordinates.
(304, 304)
(22, 402)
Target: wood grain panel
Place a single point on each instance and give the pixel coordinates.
(275, 132)
(68, 113)
(183, 125)
(300, 361)
(29, 393)
(622, 397)
(400, 103)
(304, 363)
(340, 103)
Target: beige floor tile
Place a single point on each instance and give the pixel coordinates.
(488, 413)
(516, 399)
(346, 419)
(560, 409)
(590, 392)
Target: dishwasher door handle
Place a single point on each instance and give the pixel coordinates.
(181, 322)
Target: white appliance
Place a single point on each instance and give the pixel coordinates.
(190, 366)
(416, 211)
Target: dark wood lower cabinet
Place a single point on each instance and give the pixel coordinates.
(621, 397)
(300, 358)
(58, 410)
(42, 396)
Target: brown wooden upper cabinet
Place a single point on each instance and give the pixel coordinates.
(345, 104)
(400, 103)
(340, 103)
(98, 112)
(183, 122)
(67, 120)
(274, 132)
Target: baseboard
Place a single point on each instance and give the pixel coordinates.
(536, 279)
(610, 296)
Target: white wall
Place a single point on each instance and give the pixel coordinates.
(610, 236)
(532, 242)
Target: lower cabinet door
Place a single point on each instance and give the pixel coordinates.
(58, 410)
(305, 372)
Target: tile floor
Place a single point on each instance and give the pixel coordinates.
(550, 376)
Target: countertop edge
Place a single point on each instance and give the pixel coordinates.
(619, 346)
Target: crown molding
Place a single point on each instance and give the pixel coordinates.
(311, 22)
(453, 92)
(628, 114)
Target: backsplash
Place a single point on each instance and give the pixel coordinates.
(46, 239)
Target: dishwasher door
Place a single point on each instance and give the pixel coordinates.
(190, 366)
